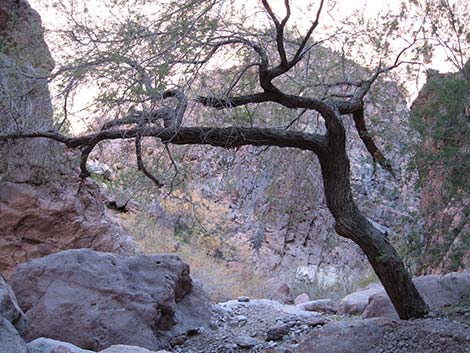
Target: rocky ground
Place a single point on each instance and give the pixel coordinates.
(83, 301)
(268, 326)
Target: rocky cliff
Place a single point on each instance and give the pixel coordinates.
(43, 207)
(441, 115)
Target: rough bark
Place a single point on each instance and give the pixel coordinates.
(351, 224)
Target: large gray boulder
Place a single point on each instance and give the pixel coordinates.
(95, 300)
(355, 336)
(9, 308)
(128, 349)
(437, 291)
(47, 345)
(10, 340)
(327, 306)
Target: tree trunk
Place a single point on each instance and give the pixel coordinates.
(351, 224)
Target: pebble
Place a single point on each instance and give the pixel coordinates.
(246, 342)
(243, 299)
(277, 332)
(242, 320)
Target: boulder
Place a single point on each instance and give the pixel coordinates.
(437, 291)
(36, 221)
(95, 300)
(120, 348)
(355, 336)
(47, 345)
(302, 298)
(450, 289)
(355, 303)
(283, 294)
(327, 306)
(10, 340)
(9, 308)
(380, 306)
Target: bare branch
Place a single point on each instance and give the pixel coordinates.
(369, 142)
(140, 163)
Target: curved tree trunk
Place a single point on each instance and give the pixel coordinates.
(351, 224)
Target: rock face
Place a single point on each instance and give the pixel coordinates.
(43, 209)
(95, 300)
(25, 104)
(440, 117)
(39, 220)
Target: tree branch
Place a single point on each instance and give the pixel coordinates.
(369, 142)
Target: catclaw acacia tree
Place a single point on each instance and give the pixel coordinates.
(134, 59)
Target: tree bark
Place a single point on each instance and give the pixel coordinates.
(351, 224)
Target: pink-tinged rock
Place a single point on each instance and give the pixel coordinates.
(380, 306)
(355, 303)
(95, 300)
(283, 294)
(36, 221)
(302, 298)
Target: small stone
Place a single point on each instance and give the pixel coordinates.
(243, 299)
(277, 332)
(241, 318)
(178, 340)
(246, 342)
(302, 298)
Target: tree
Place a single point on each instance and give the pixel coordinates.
(135, 61)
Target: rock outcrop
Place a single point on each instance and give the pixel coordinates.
(36, 221)
(440, 114)
(95, 300)
(43, 207)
